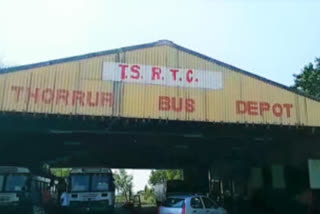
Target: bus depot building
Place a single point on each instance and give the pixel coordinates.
(162, 106)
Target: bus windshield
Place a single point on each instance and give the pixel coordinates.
(80, 183)
(101, 182)
(1, 182)
(15, 182)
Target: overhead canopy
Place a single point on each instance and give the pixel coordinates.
(159, 80)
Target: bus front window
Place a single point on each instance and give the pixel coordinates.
(80, 183)
(1, 182)
(101, 183)
(15, 183)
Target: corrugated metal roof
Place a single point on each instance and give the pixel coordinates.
(149, 45)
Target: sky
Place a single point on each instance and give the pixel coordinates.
(140, 178)
(271, 38)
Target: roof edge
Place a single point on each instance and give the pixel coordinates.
(149, 45)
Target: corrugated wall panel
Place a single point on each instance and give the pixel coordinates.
(133, 101)
(91, 69)
(2, 89)
(67, 83)
(77, 88)
(260, 93)
(198, 96)
(302, 114)
(98, 98)
(313, 109)
(17, 93)
(229, 96)
(42, 85)
(136, 95)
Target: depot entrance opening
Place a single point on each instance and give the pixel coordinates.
(220, 160)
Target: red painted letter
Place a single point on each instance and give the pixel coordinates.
(288, 108)
(78, 97)
(136, 70)
(190, 105)
(241, 107)
(34, 95)
(263, 106)
(277, 110)
(106, 99)
(62, 94)
(89, 99)
(189, 76)
(18, 90)
(156, 72)
(252, 108)
(177, 107)
(174, 73)
(164, 103)
(47, 96)
(123, 71)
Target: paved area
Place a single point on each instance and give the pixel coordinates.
(152, 210)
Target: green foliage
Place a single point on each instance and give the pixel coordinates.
(123, 183)
(60, 172)
(148, 194)
(309, 80)
(159, 176)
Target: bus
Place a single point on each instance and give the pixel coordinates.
(20, 191)
(91, 190)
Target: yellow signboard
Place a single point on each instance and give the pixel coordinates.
(153, 81)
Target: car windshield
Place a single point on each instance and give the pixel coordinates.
(80, 183)
(174, 202)
(15, 183)
(101, 182)
(1, 182)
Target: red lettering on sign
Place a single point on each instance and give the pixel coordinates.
(136, 70)
(18, 90)
(89, 99)
(241, 107)
(174, 73)
(190, 105)
(252, 108)
(164, 103)
(277, 110)
(106, 99)
(259, 108)
(288, 109)
(189, 76)
(34, 94)
(156, 72)
(176, 104)
(51, 96)
(263, 106)
(78, 97)
(63, 95)
(47, 96)
(123, 71)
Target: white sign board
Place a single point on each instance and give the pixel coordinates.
(314, 173)
(157, 75)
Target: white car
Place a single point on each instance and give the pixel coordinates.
(190, 204)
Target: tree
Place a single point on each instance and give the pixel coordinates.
(159, 176)
(123, 183)
(148, 194)
(309, 80)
